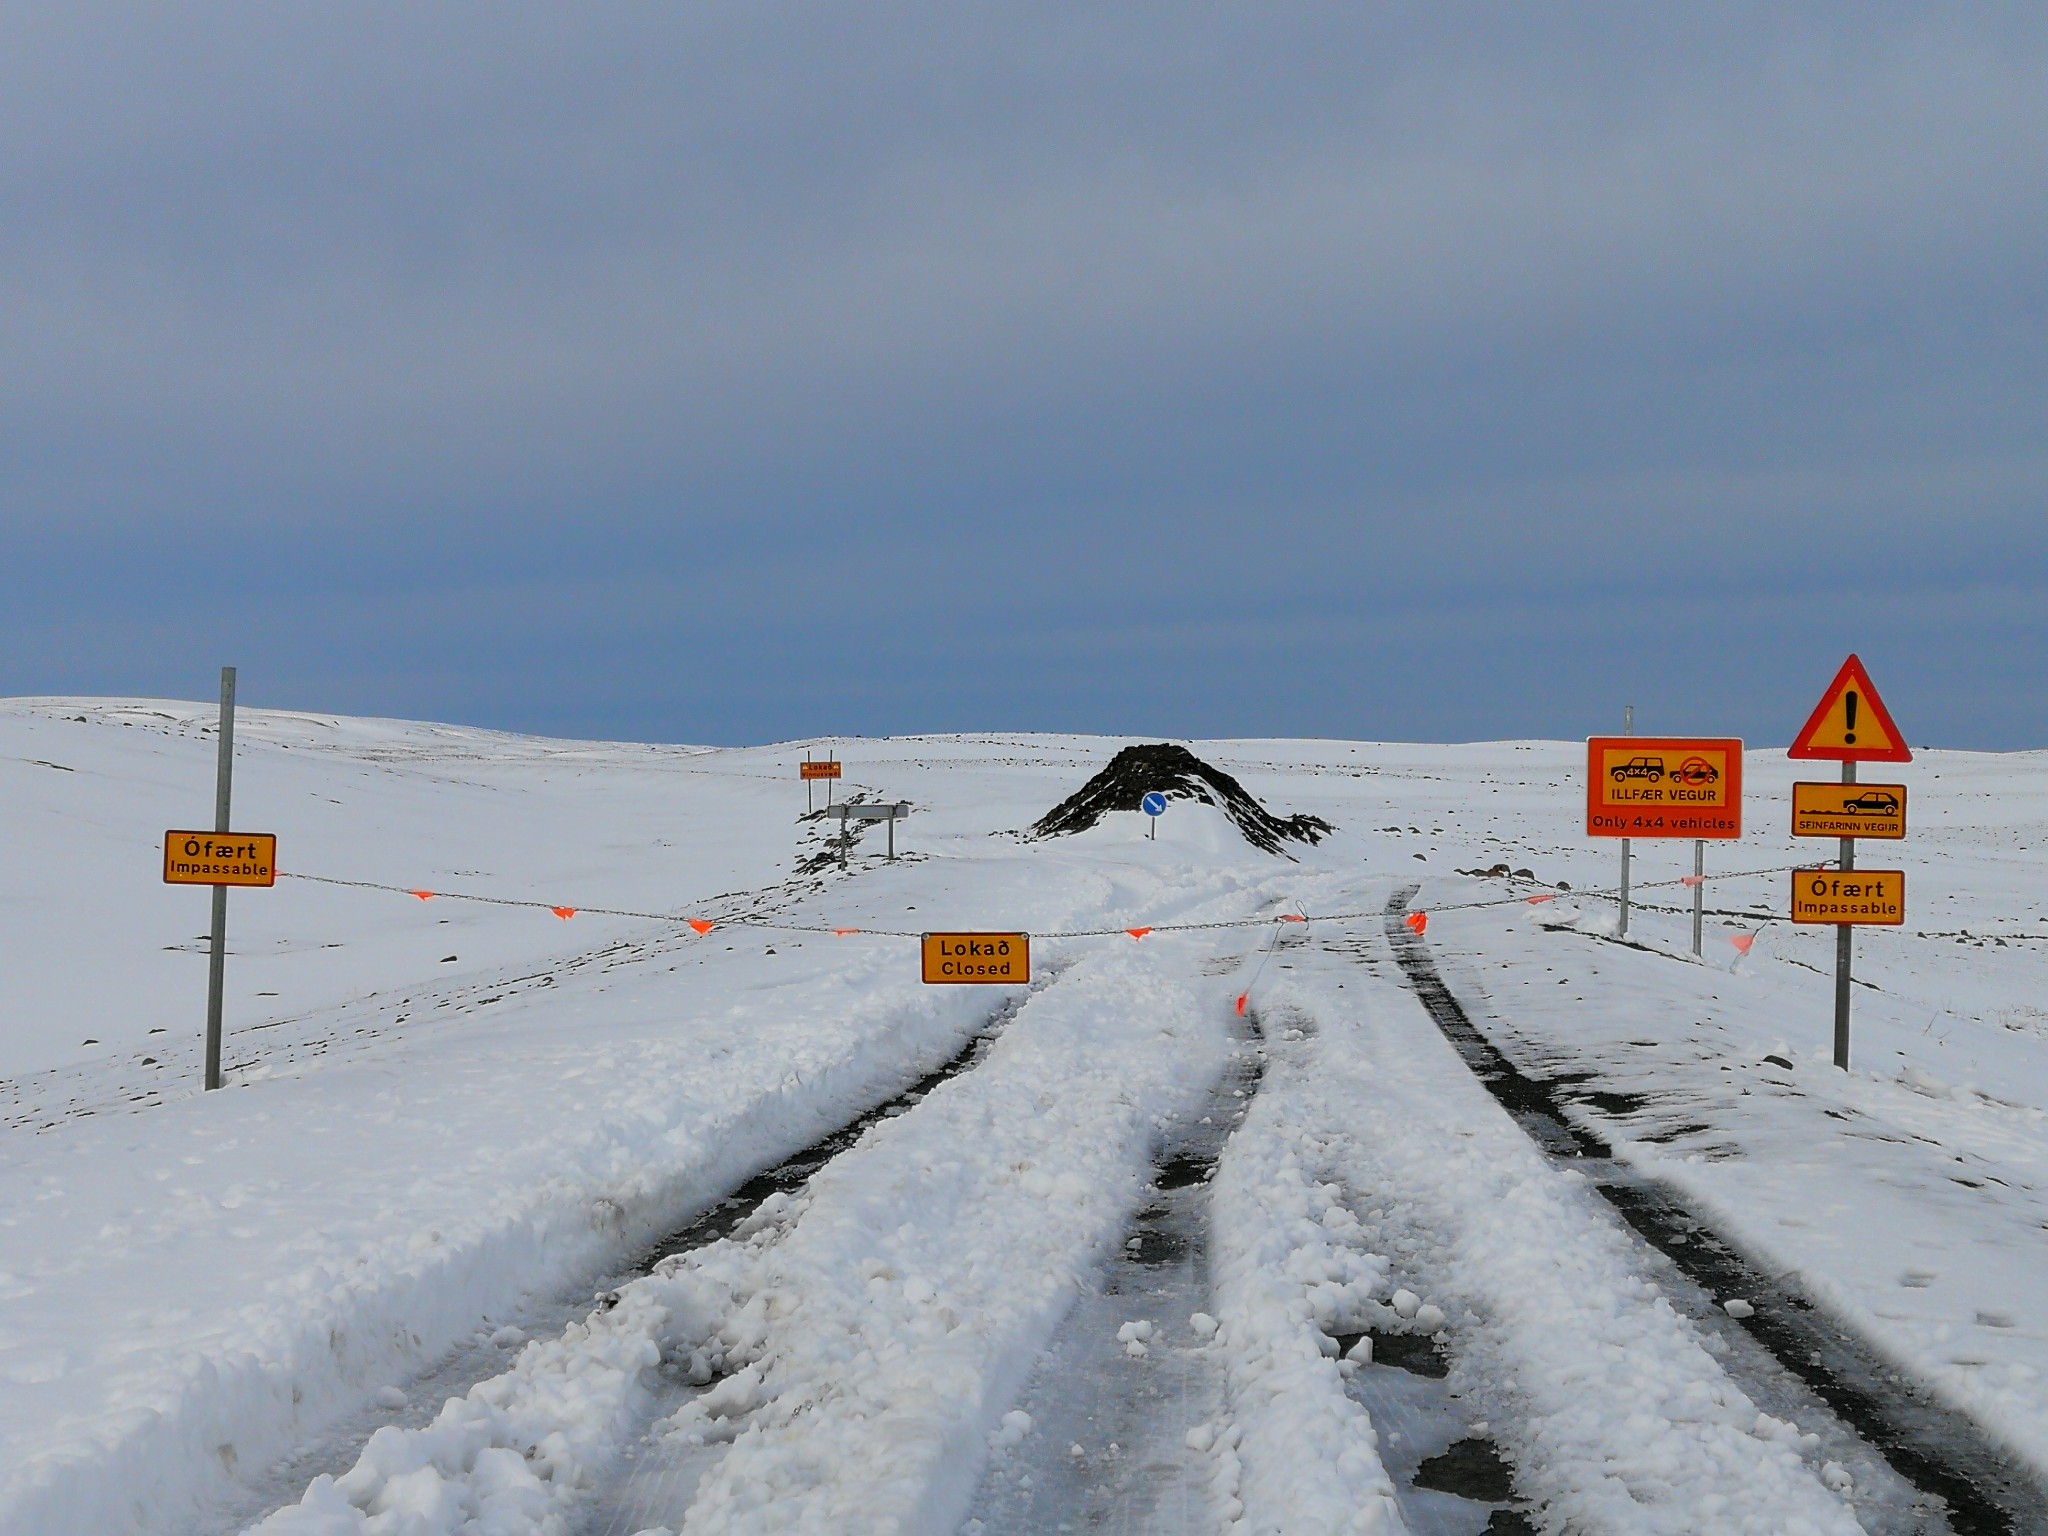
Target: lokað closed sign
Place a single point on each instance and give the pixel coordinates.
(971, 958)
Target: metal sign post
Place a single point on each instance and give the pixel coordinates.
(217, 961)
(1849, 725)
(1699, 890)
(849, 814)
(1845, 948)
(220, 858)
(1628, 728)
(1154, 807)
(1664, 786)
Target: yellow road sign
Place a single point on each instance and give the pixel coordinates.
(220, 858)
(968, 958)
(824, 770)
(1840, 896)
(1849, 810)
(1664, 786)
(1851, 724)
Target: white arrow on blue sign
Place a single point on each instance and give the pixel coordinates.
(1154, 803)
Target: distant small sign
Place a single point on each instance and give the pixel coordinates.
(825, 770)
(1839, 896)
(1154, 803)
(976, 958)
(1664, 786)
(1849, 810)
(220, 858)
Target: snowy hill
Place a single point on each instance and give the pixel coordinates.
(450, 1121)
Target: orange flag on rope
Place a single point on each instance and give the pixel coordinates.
(1692, 879)
(1137, 933)
(424, 895)
(1289, 917)
(1242, 999)
(564, 913)
(1742, 941)
(837, 933)
(700, 925)
(1416, 921)
(1535, 901)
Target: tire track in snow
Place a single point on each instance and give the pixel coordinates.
(485, 1357)
(1098, 1439)
(1936, 1451)
(850, 1343)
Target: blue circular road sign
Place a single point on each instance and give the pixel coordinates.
(1154, 803)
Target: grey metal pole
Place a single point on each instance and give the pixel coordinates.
(1628, 728)
(1699, 889)
(217, 962)
(892, 834)
(1845, 945)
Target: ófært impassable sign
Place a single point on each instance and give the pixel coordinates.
(1849, 896)
(220, 858)
(1664, 786)
(976, 958)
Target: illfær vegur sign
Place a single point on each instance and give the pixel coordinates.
(969, 958)
(1664, 786)
(1849, 896)
(220, 858)
(1849, 810)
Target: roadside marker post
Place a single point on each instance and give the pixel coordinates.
(220, 859)
(1154, 807)
(1850, 725)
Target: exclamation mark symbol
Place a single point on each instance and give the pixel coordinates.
(1849, 703)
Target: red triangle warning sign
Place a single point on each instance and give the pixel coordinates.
(1851, 724)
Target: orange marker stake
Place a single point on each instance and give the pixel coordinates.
(701, 926)
(1242, 999)
(1137, 933)
(1417, 922)
(564, 913)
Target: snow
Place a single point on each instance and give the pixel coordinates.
(206, 1300)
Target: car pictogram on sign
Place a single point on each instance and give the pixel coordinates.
(1695, 770)
(1638, 768)
(1873, 802)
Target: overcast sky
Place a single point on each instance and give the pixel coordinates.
(743, 372)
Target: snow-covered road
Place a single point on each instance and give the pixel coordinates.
(1136, 1260)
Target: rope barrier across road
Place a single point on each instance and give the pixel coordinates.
(704, 925)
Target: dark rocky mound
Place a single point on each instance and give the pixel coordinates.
(1179, 775)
